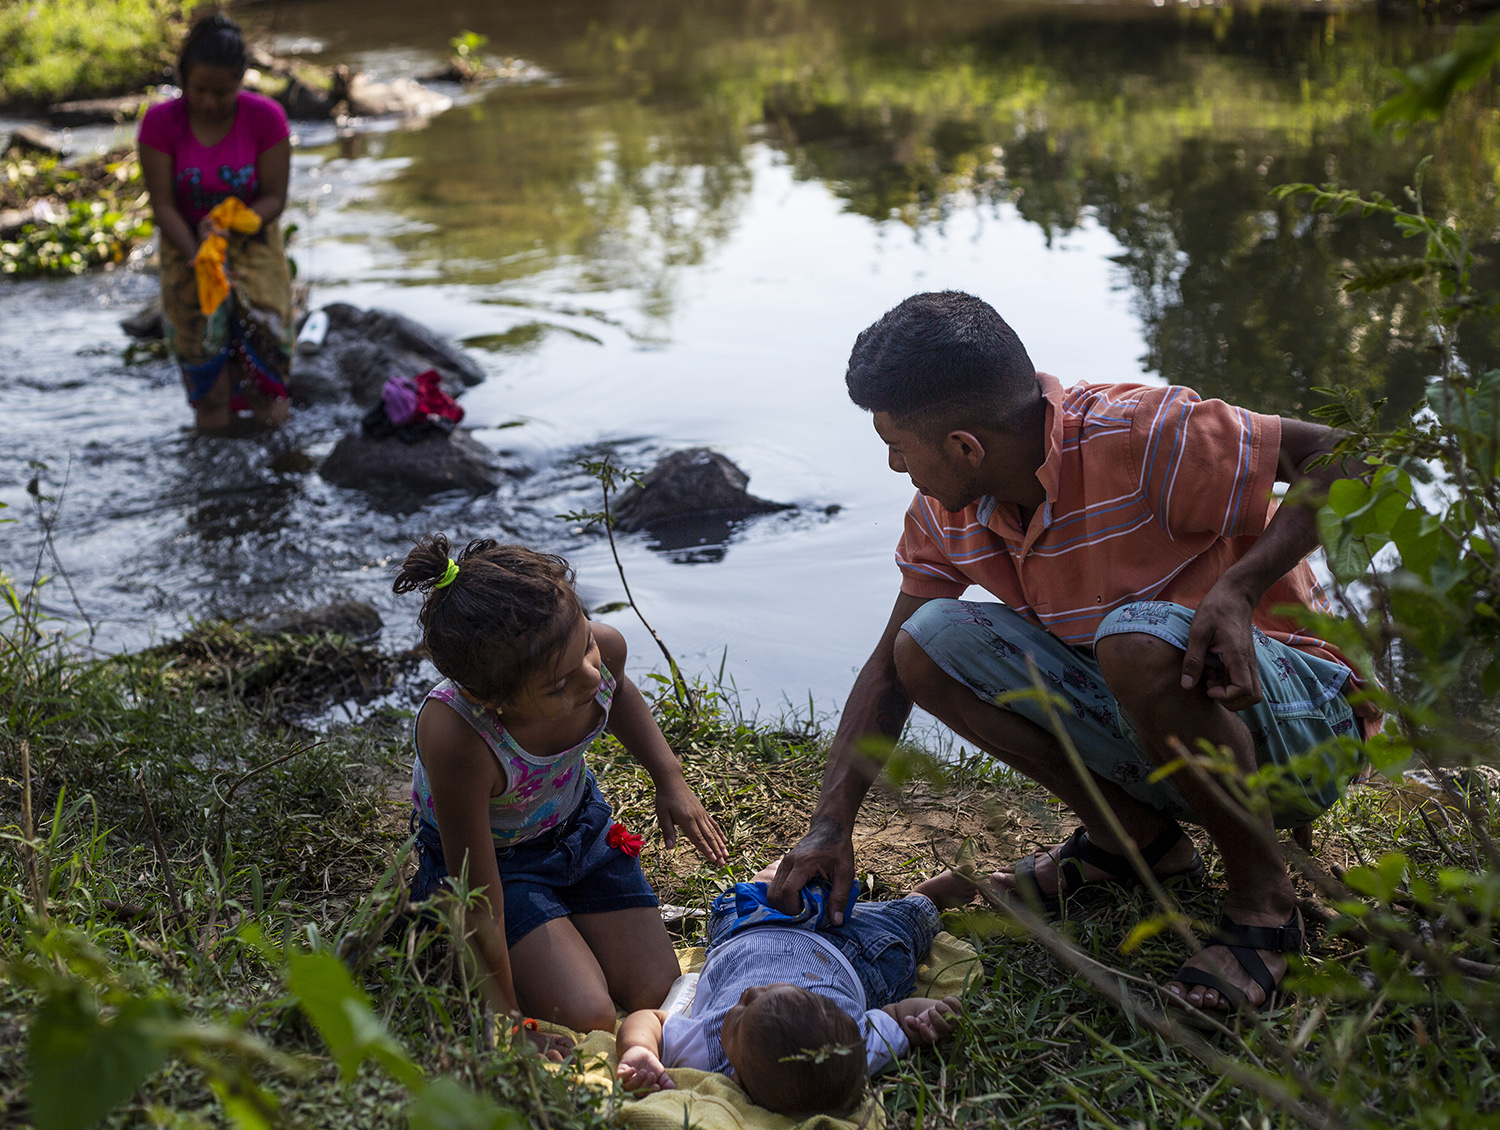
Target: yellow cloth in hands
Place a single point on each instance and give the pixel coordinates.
(230, 214)
(708, 1101)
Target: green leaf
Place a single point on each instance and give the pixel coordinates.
(1428, 87)
(1381, 881)
(341, 1013)
(1389, 754)
(1348, 558)
(446, 1105)
(81, 1069)
(1346, 496)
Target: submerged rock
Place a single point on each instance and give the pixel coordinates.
(352, 618)
(429, 466)
(145, 324)
(690, 484)
(364, 348)
(401, 97)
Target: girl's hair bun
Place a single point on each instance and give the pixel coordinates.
(424, 566)
(503, 618)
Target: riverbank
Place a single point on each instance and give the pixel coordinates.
(58, 219)
(84, 49)
(188, 824)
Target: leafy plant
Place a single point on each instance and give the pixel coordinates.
(89, 216)
(66, 49)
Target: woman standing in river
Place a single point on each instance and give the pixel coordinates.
(214, 142)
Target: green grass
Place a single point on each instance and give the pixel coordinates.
(55, 50)
(264, 826)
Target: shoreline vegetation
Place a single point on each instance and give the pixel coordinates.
(190, 832)
(70, 49)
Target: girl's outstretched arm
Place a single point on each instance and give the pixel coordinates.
(677, 806)
(462, 774)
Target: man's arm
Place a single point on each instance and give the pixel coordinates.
(876, 706)
(1222, 621)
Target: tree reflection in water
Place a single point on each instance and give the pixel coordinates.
(1167, 126)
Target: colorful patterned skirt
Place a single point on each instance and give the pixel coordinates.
(252, 329)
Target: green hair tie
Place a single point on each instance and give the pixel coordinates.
(448, 575)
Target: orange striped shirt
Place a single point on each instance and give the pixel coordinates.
(1151, 494)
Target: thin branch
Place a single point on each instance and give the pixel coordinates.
(680, 688)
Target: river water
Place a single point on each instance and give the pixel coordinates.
(672, 240)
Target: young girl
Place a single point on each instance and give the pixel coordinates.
(214, 142)
(503, 794)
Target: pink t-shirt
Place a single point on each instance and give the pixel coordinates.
(206, 174)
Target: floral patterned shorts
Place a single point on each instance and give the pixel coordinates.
(985, 647)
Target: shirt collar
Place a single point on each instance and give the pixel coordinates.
(1049, 473)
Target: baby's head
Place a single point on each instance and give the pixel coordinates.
(795, 1052)
(499, 625)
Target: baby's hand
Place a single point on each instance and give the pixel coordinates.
(679, 807)
(641, 1072)
(933, 1024)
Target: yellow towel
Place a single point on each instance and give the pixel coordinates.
(230, 214)
(708, 1101)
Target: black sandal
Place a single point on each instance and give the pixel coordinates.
(1243, 942)
(1078, 850)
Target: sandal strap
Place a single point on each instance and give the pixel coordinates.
(1252, 963)
(1154, 852)
(1080, 847)
(1278, 939)
(1190, 976)
(1078, 850)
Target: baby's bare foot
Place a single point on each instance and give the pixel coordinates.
(948, 890)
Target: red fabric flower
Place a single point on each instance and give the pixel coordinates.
(623, 838)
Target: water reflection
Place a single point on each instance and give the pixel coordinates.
(675, 246)
(1169, 126)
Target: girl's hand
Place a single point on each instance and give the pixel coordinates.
(933, 1024)
(207, 227)
(679, 807)
(641, 1072)
(549, 1045)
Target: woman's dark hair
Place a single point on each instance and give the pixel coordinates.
(941, 357)
(500, 621)
(213, 41)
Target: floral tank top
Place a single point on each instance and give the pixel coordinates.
(540, 792)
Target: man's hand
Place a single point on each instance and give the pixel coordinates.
(933, 1024)
(679, 807)
(641, 1072)
(1221, 628)
(824, 852)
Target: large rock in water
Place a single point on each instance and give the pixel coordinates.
(364, 348)
(352, 618)
(696, 483)
(429, 466)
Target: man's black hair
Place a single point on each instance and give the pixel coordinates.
(214, 41)
(944, 357)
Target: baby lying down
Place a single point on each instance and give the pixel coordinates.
(796, 1013)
